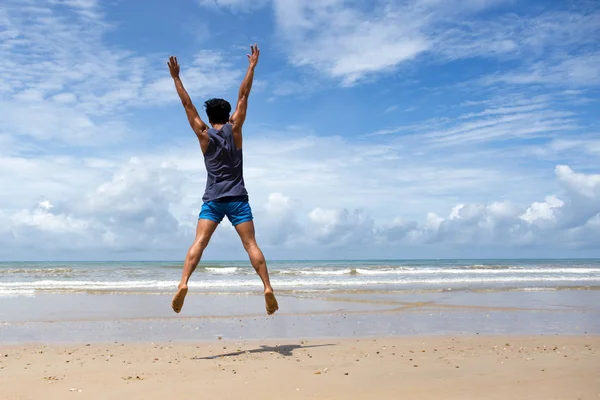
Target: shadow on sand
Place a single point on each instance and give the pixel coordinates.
(285, 350)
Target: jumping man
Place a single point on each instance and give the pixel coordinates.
(225, 193)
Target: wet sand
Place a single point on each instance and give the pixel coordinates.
(85, 318)
(436, 367)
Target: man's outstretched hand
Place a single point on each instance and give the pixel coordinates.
(253, 58)
(173, 67)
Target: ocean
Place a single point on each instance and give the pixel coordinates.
(236, 277)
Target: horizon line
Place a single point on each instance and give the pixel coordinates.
(315, 260)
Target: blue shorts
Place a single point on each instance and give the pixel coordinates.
(236, 211)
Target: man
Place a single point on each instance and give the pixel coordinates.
(225, 193)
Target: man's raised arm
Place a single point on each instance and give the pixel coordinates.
(195, 121)
(239, 116)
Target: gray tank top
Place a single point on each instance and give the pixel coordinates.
(224, 166)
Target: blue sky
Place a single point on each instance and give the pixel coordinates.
(376, 129)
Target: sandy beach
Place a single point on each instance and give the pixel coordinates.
(467, 367)
(353, 333)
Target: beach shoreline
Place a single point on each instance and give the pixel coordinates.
(441, 367)
(444, 331)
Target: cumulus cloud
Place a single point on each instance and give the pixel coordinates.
(584, 193)
(543, 211)
(280, 226)
(132, 213)
(582, 184)
(339, 228)
(541, 223)
(567, 223)
(43, 219)
(135, 205)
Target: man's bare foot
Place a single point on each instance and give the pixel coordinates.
(177, 303)
(271, 302)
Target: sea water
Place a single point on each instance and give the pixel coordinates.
(235, 277)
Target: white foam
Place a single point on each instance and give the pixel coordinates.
(222, 271)
(536, 289)
(390, 271)
(462, 271)
(4, 292)
(40, 271)
(70, 285)
(436, 271)
(425, 281)
(320, 272)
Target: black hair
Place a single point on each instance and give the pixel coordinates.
(218, 111)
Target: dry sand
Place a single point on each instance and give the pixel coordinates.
(479, 367)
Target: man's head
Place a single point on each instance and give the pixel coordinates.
(218, 111)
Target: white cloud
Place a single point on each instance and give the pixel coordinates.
(543, 211)
(86, 8)
(584, 185)
(575, 70)
(42, 219)
(338, 228)
(332, 170)
(554, 48)
(278, 221)
(207, 73)
(401, 230)
(144, 208)
(582, 203)
(72, 86)
(241, 5)
(278, 204)
(130, 213)
(513, 34)
(583, 145)
(338, 38)
(349, 40)
(498, 224)
(502, 119)
(47, 121)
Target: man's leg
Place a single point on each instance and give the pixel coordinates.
(246, 232)
(204, 231)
